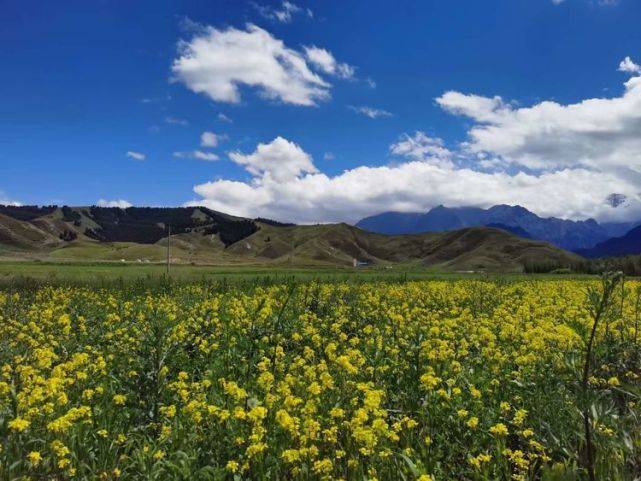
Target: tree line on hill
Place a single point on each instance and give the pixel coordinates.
(26, 212)
(630, 265)
(147, 225)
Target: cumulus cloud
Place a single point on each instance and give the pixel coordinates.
(370, 112)
(576, 161)
(483, 109)
(210, 139)
(305, 195)
(197, 154)
(217, 62)
(599, 134)
(120, 203)
(136, 155)
(279, 161)
(628, 66)
(325, 61)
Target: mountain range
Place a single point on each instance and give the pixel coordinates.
(204, 236)
(567, 234)
(628, 244)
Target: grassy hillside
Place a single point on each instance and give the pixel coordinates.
(24, 235)
(466, 249)
(209, 238)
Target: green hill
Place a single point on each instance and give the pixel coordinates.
(202, 236)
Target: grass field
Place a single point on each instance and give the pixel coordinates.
(82, 272)
(382, 379)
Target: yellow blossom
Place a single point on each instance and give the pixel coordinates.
(34, 458)
(499, 429)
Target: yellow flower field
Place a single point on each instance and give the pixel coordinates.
(429, 380)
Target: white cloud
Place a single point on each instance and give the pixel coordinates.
(120, 203)
(210, 139)
(325, 61)
(329, 156)
(600, 134)
(288, 9)
(370, 112)
(223, 118)
(208, 156)
(136, 155)
(280, 161)
(197, 154)
(421, 147)
(483, 109)
(217, 62)
(574, 161)
(305, 195)
(176, 121)
(284, 14)
(628, 66)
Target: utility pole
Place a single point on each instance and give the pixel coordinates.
(168, 248)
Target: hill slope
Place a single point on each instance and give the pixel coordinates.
(17, 234)
(478, 248)
(567, 234)
(207, 237)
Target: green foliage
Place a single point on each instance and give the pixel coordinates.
(70, 215)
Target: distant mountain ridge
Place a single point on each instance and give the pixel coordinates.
(628, 244)
(567, 234)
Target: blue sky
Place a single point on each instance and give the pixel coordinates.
(108, 100)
